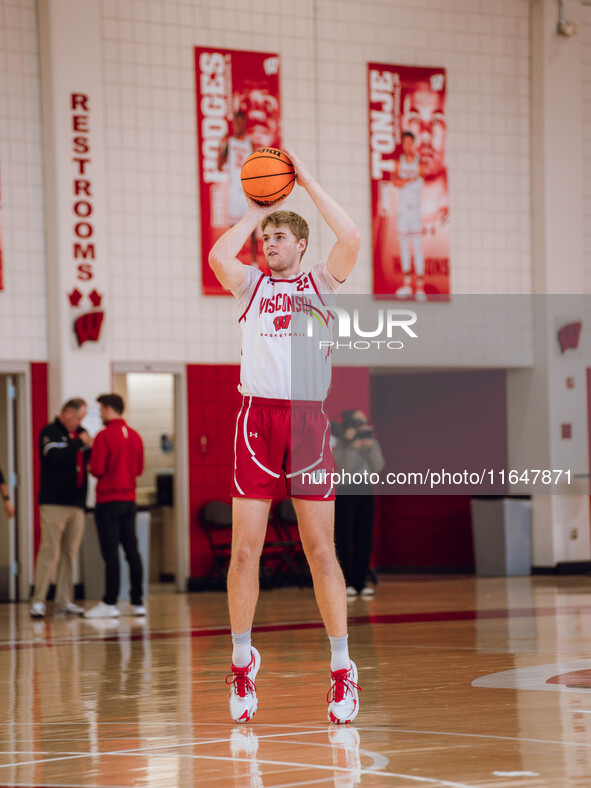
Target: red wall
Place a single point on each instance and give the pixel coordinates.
(39, 411)
(415, 416)
(213, 402)
(350, 390)
(453, 421)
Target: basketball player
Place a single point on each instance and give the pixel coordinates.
(269, 425)
(407, 177)
(233, 152)
(261, 110)
(423, 114)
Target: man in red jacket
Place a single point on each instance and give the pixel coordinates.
(117, 460)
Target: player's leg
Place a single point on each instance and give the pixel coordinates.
(406, 288)
(249, 526)
(419, 259)
(316, 525)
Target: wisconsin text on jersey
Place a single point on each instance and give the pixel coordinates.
(287, 305)
(283, 302)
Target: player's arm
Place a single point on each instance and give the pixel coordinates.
(395, 179)
(400, 182)
(223, 152)
(229, 271)
(343, 254)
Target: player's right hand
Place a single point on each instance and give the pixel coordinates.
(262, 209)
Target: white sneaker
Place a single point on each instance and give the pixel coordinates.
(420, 294)
(368, 591)
(103, 610)
(137, 610)
(37, 610)
(243, 692)
(343, 696)
(404, 292)
(351, 591)
(69, 609)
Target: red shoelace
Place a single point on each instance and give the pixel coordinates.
(342, 685)
(241, 681)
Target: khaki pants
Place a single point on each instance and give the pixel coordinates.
(62, 528)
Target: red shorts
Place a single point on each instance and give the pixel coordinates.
(276, 438)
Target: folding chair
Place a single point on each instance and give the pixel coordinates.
(216, 521)
(285, 522)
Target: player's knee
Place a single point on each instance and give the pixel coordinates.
(245, 554)
(321, 556)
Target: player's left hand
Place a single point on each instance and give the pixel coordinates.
(262, 209)
(303, 176)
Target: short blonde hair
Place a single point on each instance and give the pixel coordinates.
(296, 223)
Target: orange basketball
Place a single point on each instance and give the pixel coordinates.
(267, 176)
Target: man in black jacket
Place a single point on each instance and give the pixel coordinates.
(65, 449)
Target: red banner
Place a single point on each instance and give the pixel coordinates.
(238, 111)
(409, 194)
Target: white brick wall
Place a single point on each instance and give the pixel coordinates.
(159, 312)
(22, 302)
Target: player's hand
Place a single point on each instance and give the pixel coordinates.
(262, 209)
(9, 509)
(303, 177)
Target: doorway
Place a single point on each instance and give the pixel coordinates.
(15, 537)
(155, 407)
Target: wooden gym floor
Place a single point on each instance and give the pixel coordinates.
(466, 682)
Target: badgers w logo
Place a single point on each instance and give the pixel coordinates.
(282, 321)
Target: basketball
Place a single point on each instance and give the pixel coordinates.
(267, 176)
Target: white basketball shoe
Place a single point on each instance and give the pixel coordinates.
(243, 692)
(343, 696)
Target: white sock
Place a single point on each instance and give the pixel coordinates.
(339, 653)
(241, 653)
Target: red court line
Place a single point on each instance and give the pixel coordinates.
(391, 618)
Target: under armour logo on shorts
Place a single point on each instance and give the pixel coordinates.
(253, 435)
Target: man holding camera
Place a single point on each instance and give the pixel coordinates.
(356, 452)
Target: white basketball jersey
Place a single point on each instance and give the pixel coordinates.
(409, 198)
(274, 315)
(238, 152)
(408, 169)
